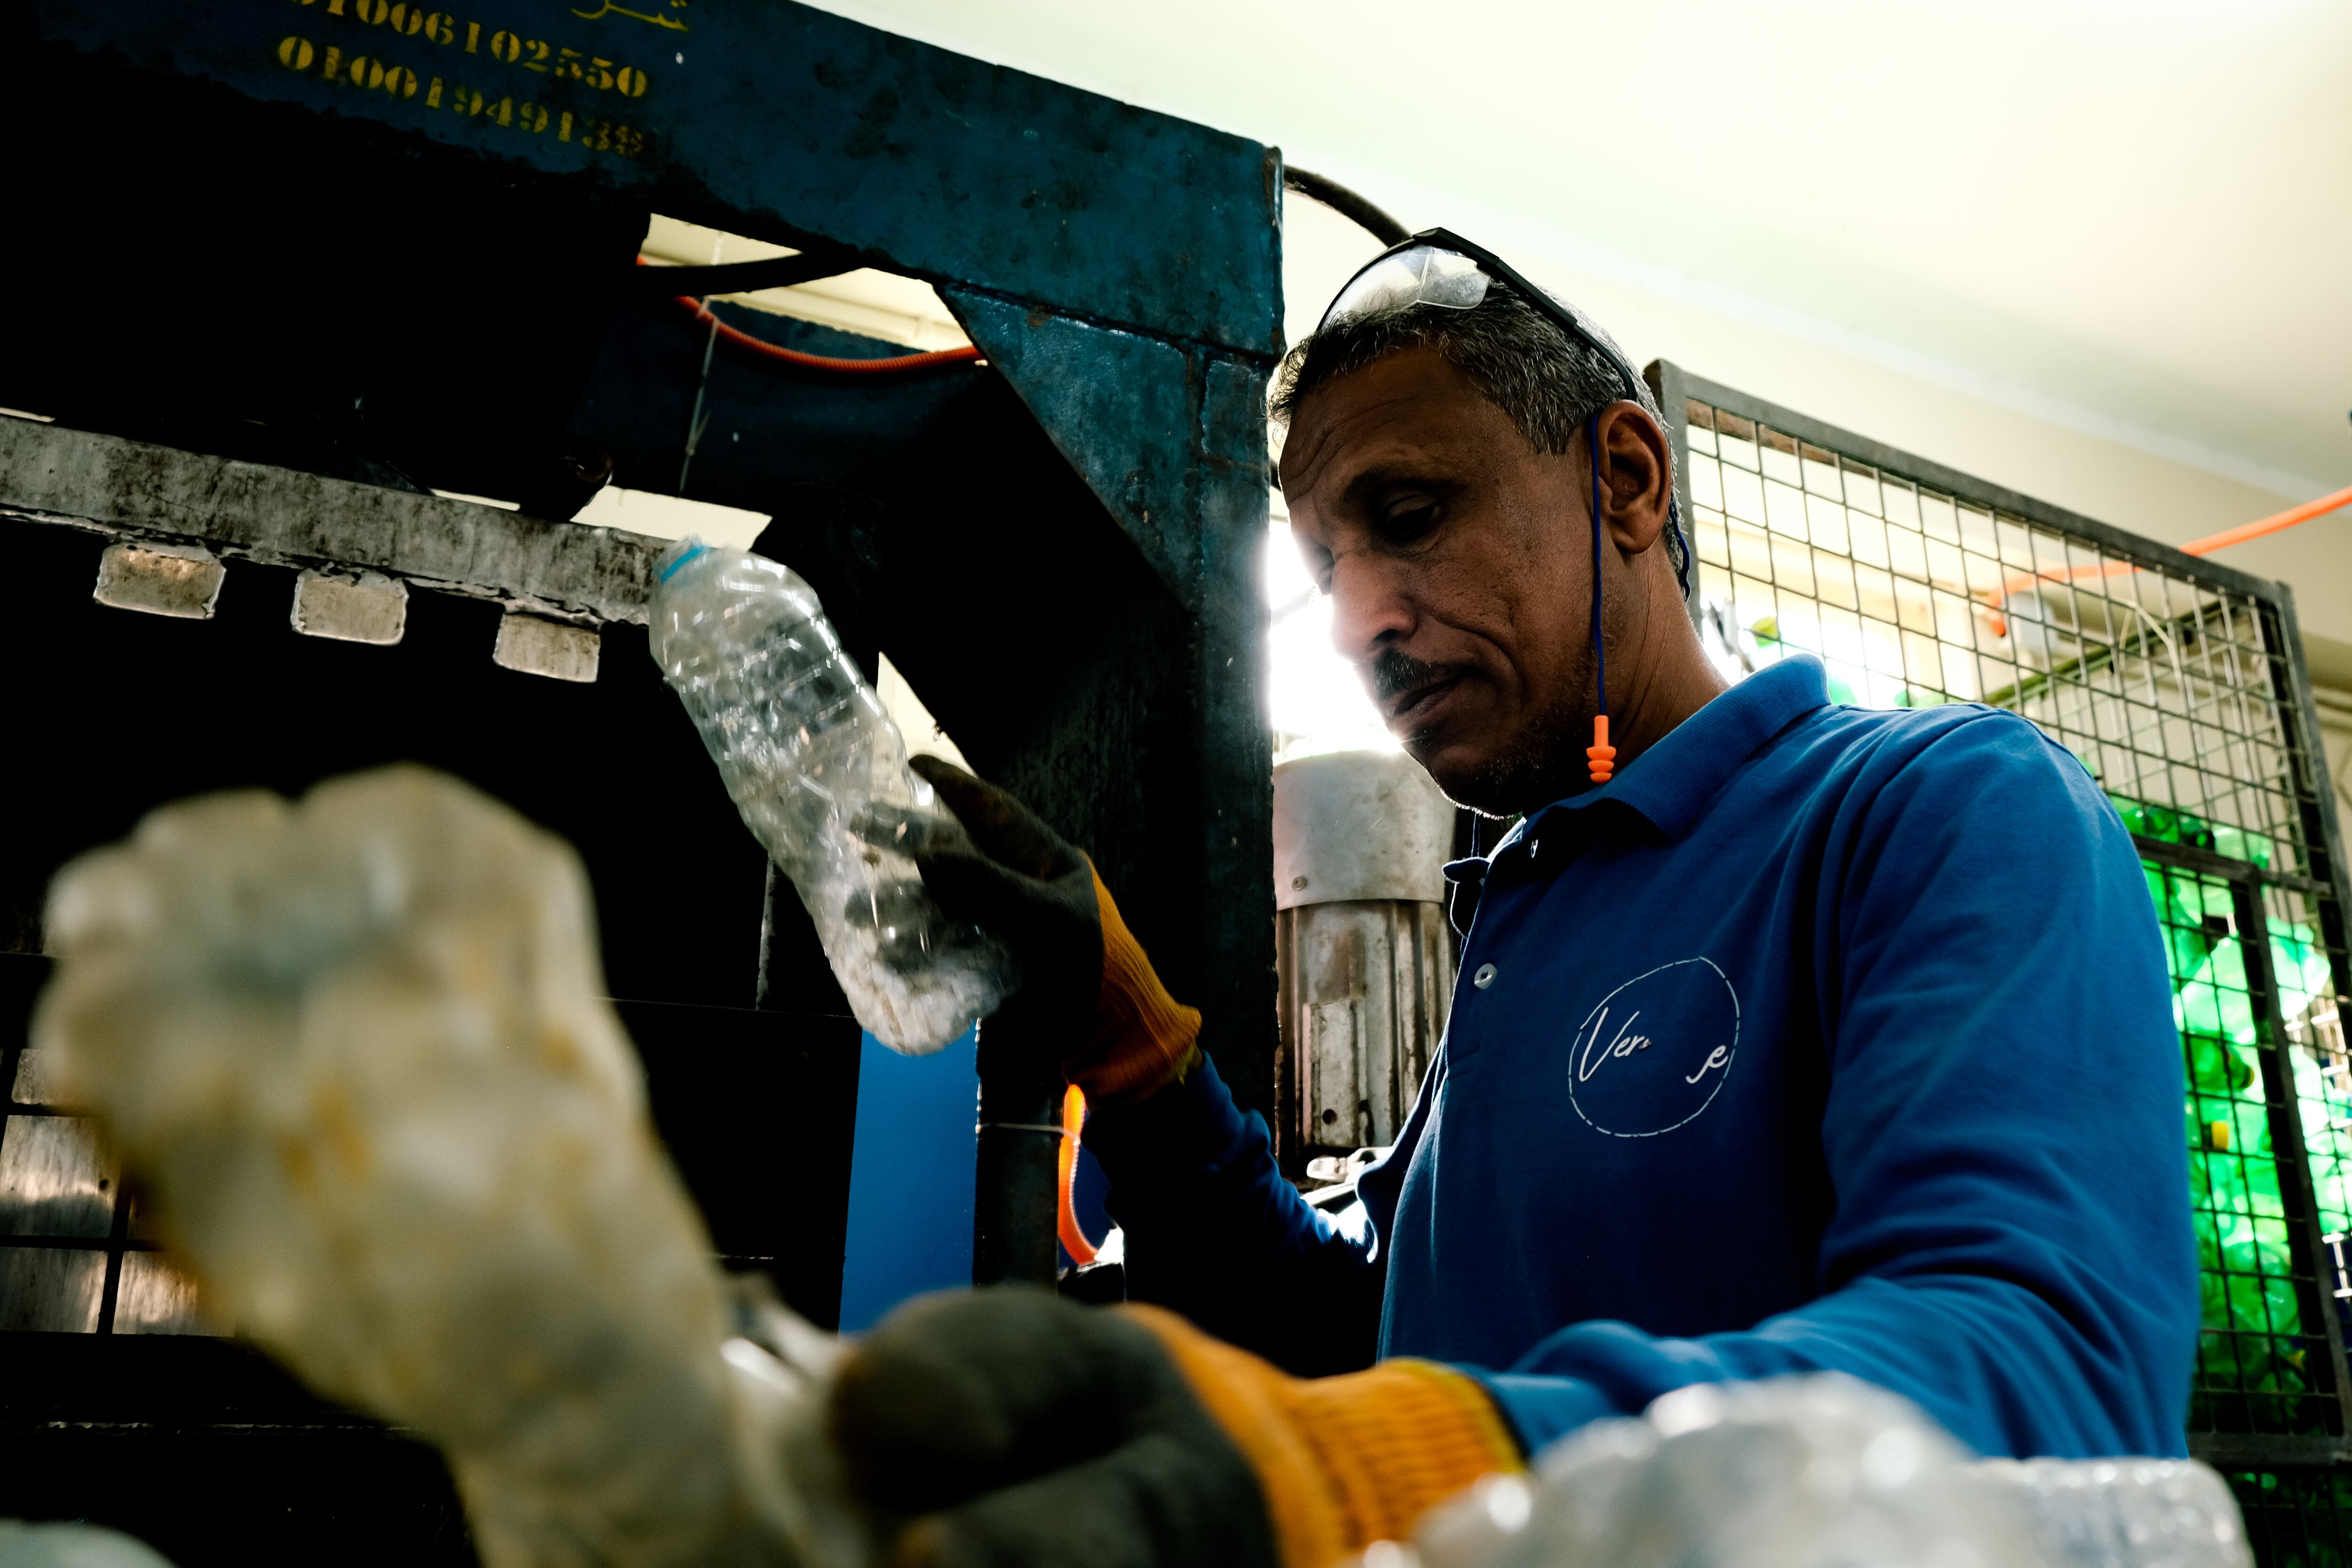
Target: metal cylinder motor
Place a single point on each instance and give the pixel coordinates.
(1364, 960)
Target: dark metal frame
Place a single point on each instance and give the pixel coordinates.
(2308, 1251)
(1040, 212)
(1113, 439)
(2323, 879)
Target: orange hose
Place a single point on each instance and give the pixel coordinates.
(2287, 519)
(1066, 1219)
(2275, 523)
(822, 361)
(825, 361)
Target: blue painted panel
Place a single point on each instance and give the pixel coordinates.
(1123, 408)
(1171, 438)
(910, 1179)
(777, 120)
(1090, 1196)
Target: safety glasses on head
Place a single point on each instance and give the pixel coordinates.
(1419, 274)
(1438, 266)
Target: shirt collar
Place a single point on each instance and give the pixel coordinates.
(1669, 784)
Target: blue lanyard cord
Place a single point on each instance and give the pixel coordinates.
(1599, 656)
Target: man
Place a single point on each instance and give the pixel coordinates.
(1812, 1038)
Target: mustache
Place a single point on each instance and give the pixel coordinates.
(1395, 672)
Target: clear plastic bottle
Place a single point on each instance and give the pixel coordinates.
(813, 761)
(1819, 1470)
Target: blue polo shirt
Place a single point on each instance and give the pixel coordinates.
(1818, 1038)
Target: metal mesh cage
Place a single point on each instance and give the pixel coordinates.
(2262, 1363)
(2295, 1519)
(2180, 685)
(2167, 685)
(74, 1254)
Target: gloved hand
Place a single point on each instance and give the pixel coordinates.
(1089, 1002)
(1012, 1427)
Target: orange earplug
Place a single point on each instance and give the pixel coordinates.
(1601, 754)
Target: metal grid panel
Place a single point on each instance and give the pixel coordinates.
(2306, 965)
(2295, 1519)
(2262, 1357)
(2166, 685)
(2176, 683)
(74, 1256)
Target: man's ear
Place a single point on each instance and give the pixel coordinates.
(1636, 485)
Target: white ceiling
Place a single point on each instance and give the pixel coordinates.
(2130, 219)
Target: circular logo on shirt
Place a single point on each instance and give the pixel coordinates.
(1655, 1052)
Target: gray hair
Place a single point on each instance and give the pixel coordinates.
(1545, 382)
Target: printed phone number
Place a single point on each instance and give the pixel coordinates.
(401, 84)
(507, 48)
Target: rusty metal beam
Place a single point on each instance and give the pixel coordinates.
(129, 488)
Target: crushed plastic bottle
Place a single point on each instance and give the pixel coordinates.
(814, 764)
(356, 1049)
(1818, 1471)
(2124, 1513)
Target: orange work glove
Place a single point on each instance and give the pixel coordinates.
(1089, 997)
(1143, 1038)
(1009, 1426)
(1342, 1461)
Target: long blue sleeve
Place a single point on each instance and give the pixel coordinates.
(1818, 1039)
(2010, 1245)
(1214, 1232)
(1971, 1085)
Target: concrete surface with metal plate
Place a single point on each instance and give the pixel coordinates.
(350, 606)
(408, 266)
(159, 579)
(540, 646)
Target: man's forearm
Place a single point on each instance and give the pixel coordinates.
(1214, 1232)
(2005, 1368)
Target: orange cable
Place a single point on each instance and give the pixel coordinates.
(742, 339)
(2275, 523)
(1066, 1218)
(2287, 519)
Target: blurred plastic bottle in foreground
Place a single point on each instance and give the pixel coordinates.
(811, 759)
(1818, 1471)
(358, 1049)
(72, 1546)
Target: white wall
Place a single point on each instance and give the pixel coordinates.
(1853, 386)
(2088, 249)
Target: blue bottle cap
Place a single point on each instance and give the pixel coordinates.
(689, 548)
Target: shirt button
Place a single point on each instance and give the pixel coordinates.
(1484, 977)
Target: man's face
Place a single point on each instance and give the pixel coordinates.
(1458, 561)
